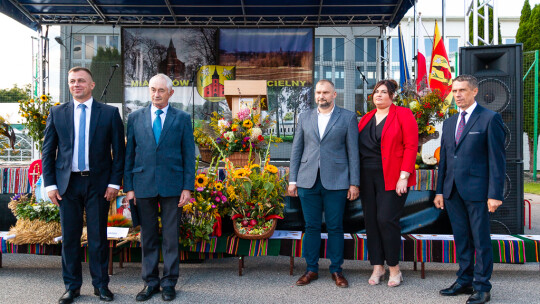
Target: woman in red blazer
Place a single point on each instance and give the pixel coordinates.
(388, 144)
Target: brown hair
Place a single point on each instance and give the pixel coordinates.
(326, 81)
(471, 80)
(390, 84)
(78, 68)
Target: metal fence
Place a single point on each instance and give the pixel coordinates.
(530, 112)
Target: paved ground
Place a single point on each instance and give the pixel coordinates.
(37, 279)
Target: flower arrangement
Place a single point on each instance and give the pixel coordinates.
(202, 215)
(242, 133)
(24, 207)
(35, 113)
(118, 220)
(427, 109)
(257, 197)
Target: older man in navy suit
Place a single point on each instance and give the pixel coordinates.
(83, 162)
(471, 172)
(160, 169)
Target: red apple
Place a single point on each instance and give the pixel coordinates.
(245, 223)
(253, 222)
(248, 214)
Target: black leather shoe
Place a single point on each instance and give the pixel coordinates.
(168, 293)
(147, 293)
(479, 297)
(69, 296)
(104, 294)
(456, 289)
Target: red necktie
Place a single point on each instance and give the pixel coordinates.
(461, 126)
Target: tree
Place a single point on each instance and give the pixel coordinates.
(15, 94)
(481, 26)
(101, 67)
(529, 34)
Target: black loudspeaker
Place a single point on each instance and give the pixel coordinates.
(499, 70)
(508, 219)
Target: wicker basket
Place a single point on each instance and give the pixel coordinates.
(241, 159)
(206, 154)
(265, 235)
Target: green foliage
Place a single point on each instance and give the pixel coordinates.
(28, 208)
(481, 26)
(529, 34)
(35, 113)
(101, 68)
(15, 94)
(532, 188)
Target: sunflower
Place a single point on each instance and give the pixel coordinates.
(201, 180)
(247, 124)
(56, 103)
(241, 173)
(218, 186)
(271, 168)
(254, 166)
(431, 129)
(44, 98)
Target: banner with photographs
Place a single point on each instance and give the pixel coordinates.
(198, 65)
(177, 53)
(282, 57)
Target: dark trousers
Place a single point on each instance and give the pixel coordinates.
(81, 196)
(148, 213)
(470, 224)
(314, 200)
(382, 211)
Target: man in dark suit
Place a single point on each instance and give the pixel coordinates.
(83, 162)
(160, 169)
(471, 171)
(324, 173)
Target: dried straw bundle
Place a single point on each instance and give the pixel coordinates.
(35, 232)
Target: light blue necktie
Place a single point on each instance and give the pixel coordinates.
(82, 138)
(156, 126)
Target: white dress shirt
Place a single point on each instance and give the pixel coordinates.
(153, 110)
(469, 110)
(323, 120)
(75, 160)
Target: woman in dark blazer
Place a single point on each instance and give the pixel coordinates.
(388, 144)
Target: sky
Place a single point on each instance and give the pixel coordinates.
(16, 51)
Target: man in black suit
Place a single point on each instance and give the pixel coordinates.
(471, 171)
(83, 162)
(160, 169)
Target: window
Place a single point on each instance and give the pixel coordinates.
(101, 42)
(395, 50)
(317, 49)
(77, 47)
(327, 49)
(509, 41)
(339, 77)
(371, 49)
(340, 49)
(359, 49)
(89, 50)
(327, 72)
(452, 46)
(429, 47)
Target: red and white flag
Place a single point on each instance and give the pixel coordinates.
(421, 66)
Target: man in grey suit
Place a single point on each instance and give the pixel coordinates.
(159, 169)
(324, 173)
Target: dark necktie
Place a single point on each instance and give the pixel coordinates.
(81, 159)
(461, 126)
(156, 126)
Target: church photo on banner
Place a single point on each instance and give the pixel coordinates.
(205, 58)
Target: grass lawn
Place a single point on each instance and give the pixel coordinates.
(532, 188)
